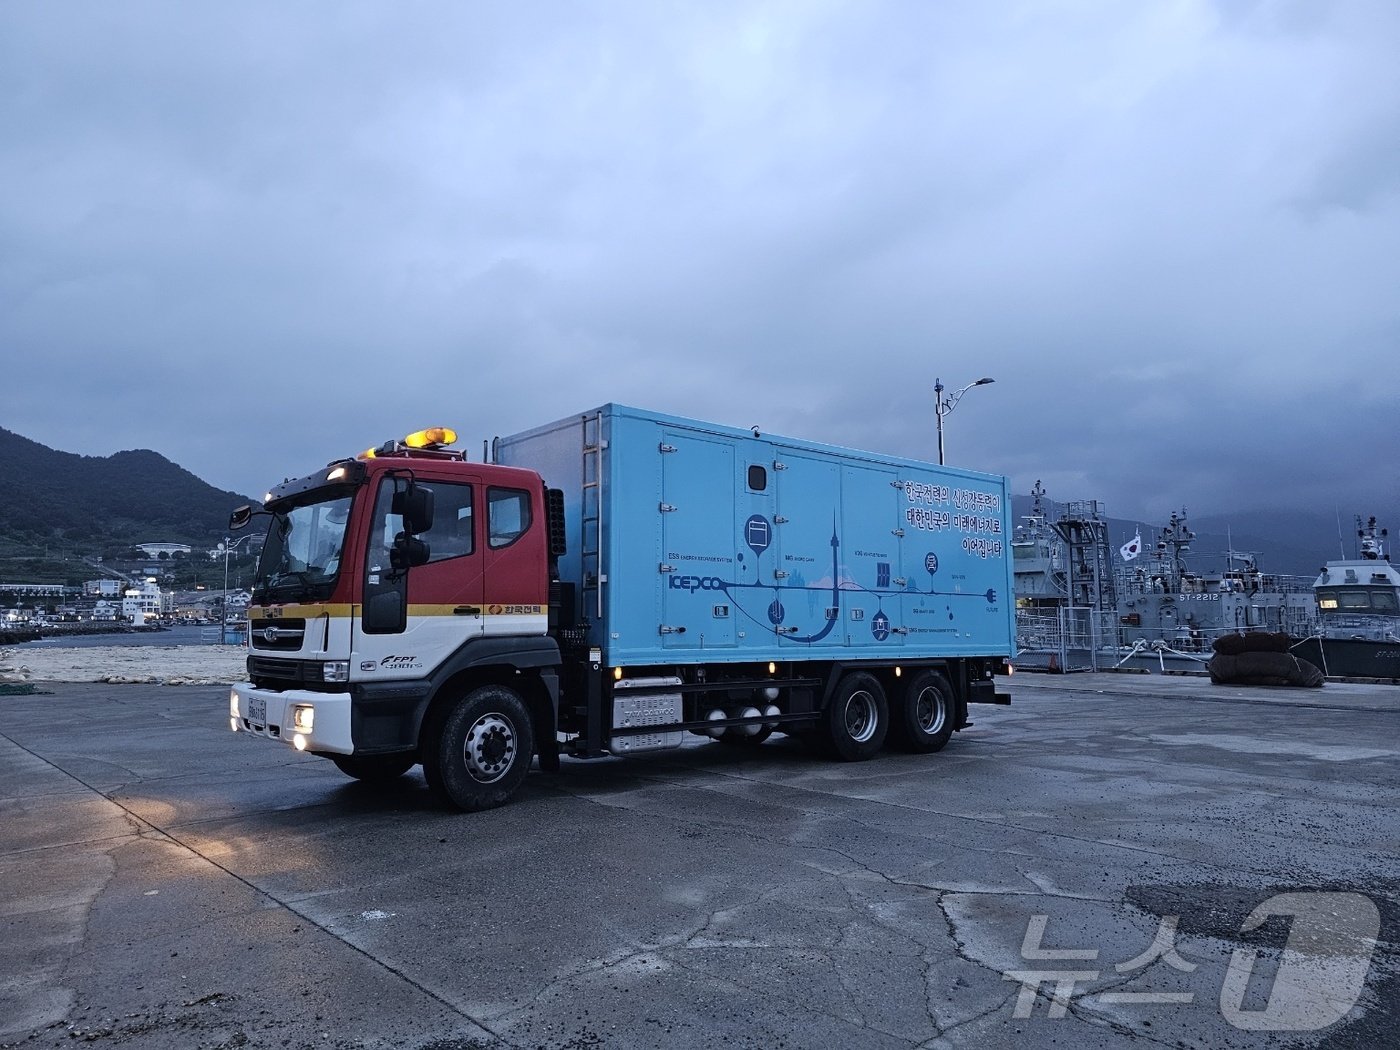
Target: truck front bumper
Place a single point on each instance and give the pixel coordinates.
(299, 718)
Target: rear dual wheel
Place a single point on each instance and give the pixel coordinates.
(923, 719)
(857, 719)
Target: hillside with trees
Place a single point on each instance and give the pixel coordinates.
(60, 511)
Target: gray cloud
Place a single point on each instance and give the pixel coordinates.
(260, 237)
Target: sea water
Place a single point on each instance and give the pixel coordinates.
(185, 635)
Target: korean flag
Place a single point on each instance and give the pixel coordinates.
(1132, 548)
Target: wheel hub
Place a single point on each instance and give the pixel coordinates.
(490, 748)
(930, 710)
(862, 718)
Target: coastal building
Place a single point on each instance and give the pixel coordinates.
(143, 603)
(36, 590)
(155, 550)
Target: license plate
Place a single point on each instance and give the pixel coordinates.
(257, 710)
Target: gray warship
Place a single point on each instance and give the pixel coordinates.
(1081, 605)
(1357, 634)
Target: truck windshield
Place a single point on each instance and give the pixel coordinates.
(301, 558)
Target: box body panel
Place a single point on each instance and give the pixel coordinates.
(694, 543)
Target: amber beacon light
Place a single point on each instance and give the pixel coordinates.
(433, 437)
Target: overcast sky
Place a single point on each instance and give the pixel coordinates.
(258, 237)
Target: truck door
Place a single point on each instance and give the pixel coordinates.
(806, 603)
(872, 556)
(517, 587)
(698, 542)
(439, 605)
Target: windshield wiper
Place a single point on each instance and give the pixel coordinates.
(294, 585)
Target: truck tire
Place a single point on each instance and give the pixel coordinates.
(374, 769)
(857, 718)
(923, 720)
(482, 750)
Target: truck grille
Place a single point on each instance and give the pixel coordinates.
(277, 634)
(268, 672)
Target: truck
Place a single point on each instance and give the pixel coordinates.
(612, 584)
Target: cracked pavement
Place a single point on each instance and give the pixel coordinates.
(166, 884)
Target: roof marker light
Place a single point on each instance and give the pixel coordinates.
(431, 438)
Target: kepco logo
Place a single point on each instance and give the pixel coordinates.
(697, 583)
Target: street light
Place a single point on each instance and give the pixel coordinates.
(227, 546)
(942, 406)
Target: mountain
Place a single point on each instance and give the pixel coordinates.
(88, 504)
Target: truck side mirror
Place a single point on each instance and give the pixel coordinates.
(407, 552)
(415, 505)
(240, 518)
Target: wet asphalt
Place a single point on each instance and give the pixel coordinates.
(1077, 870)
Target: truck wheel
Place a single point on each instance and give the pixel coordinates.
(923, 721)
(857, 718)
(483, 750)
(374, 769)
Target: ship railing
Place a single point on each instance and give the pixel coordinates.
(1064, 638)
(1360, 626)
(1083, 639)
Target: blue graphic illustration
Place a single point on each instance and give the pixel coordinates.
(758, 534)
(880, 626)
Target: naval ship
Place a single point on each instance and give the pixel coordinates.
(1358, 604)
(1081, 605)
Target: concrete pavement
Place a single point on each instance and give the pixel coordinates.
(167, 884)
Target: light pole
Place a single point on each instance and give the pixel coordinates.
(942, 406)
(227, 546)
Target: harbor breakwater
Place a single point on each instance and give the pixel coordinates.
(16, 635)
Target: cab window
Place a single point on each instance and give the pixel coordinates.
(451, 534)
(508, 515)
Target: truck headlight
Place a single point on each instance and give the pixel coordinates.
(233, 704)
(335, 671)
(303, 718)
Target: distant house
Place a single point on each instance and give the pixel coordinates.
(103, 588)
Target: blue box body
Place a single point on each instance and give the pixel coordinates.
(717, 546)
